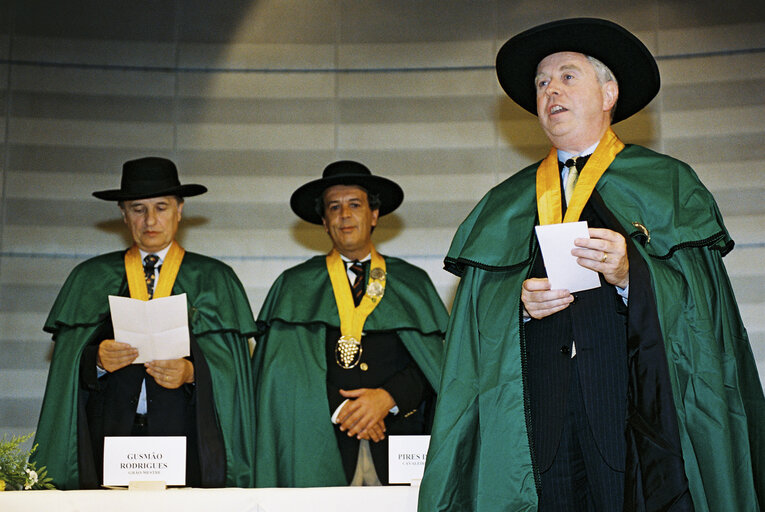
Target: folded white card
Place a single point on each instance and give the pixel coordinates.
(158, 328)
(406, 458)
(146, 459)
(563, 272)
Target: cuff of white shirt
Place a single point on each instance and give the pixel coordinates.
(335, 414)
(333, 419)
(624, 293)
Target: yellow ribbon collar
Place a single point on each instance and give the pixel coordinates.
(352, 318)
(137, 280)
(549, 200)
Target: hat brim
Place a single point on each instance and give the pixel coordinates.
(188, 190)
(303, 200)
(625, 55)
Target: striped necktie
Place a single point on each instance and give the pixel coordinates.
(357, 288)
(149, 263)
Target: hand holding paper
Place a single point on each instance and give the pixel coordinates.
(604, 251)
(556, 242)
(113, 355)
(540, 301)
(171, 373)
(158, 328)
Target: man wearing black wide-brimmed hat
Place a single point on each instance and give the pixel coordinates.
(94, 389)
(349, 349)
(638, 394)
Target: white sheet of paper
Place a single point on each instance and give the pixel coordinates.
(158, 328)
(564, 273)
(406, 458)
(145, 458)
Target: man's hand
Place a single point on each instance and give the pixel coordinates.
(375, 433)
(171, 373)
(113, 355)
(605, 252)
(363, 414)
(540, 301)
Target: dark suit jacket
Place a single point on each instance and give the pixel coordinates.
(389, 366)
(596, 321)
(110, 405)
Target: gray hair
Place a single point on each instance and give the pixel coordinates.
(604, 75)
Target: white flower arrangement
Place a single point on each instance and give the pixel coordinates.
(16, 472)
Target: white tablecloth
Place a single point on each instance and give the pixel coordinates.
(319, 499)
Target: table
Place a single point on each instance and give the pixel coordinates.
(315, 499)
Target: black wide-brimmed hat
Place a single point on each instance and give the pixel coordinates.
(149, 177)
(345, 172)
(628, 59)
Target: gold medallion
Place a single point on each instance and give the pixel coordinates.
(347, 352)
(377, 274)
(352, 317)
(375, 290)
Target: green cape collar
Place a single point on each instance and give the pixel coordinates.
(498, 233)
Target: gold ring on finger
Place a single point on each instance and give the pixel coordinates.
(603, 259)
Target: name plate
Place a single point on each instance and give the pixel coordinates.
(144, 459)
(406, 458)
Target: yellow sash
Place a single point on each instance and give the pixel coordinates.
(549, 202)
(137, 280)
(352, 318)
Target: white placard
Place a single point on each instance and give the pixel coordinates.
(406, 458)
(563, 272)
(158, 328)
(146, 459)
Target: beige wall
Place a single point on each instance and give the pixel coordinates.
(253, 98)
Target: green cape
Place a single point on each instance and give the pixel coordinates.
(479, 455)
(219, 317)
(296, 440)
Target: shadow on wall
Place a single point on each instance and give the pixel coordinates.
(520, 130)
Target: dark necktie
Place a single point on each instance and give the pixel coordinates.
(357, 288)
(149, 263)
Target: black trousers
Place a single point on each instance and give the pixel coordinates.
(579, 478)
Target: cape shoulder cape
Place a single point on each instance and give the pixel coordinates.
(479, 456)
(291, 364)
(630, 189)
(219, 317)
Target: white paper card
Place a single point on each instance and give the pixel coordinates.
(564, 273)
(406, 458)
(144, 458)
(158, 328)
